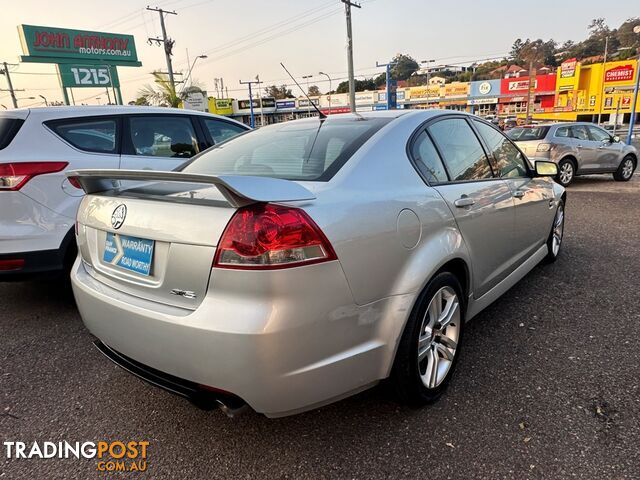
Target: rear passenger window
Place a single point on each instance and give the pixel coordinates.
(509, 161)
(221, 131)
(427, 159)
(562, 132)
(580, 132)
(90, 135)
(163, 136)
(463, 155)
(8, 129)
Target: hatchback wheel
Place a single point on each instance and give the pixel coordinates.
(430, 345)
(625, 170)
(554, 242)
(566, 172)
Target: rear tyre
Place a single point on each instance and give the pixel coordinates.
(430, 344)
(566, 172)
(554, 242)
(625, 169)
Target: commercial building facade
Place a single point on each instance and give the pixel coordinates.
(573, 92)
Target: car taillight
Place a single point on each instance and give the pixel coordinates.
(266, 236)
(13, 176)
(12, 264)
(543, 147)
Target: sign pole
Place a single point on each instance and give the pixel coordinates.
(632, 120)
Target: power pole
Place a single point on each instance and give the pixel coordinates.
(352, 84)
(5, 72)
(167, 42)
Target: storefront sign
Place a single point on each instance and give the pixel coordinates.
(63, 45)
(285, 104)
(484, 88)
(483, 101)
(423, 92)
(304, 103)
(196, 101)
(456, 89)
(568, 68)
(364, 98)
(622, 73)
(82, 76)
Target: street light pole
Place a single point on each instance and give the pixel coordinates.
(330, 89)
(260, 101)
(428, 76)
(190, 69)
(307, 77)
(604, 67)
(252, 120)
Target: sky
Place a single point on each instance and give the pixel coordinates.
(245, 38)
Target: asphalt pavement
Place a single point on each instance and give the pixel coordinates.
(548, 385)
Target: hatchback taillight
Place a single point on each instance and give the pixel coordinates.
(13, 176)
(266, 236)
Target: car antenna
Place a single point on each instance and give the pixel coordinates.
(320, 114)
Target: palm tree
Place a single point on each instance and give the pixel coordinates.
(163, 93)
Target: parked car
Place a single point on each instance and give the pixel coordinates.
(37, 146)
(578, 149)
(509, 124)
(308, 260)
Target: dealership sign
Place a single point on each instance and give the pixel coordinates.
(82, 76)
(63, 45)
(623, 73)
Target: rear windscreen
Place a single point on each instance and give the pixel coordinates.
(302, 150)
(8, 129)
(522, 134)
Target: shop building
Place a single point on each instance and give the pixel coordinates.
(514, 94)
(483, 97)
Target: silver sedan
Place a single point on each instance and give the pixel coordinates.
(578, 149)
(300, 263)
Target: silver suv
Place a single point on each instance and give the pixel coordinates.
(578, 149)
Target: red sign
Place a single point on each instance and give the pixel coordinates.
(335, 110)
(623, 73)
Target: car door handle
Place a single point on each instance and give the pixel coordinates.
(579, 146)
(464, 202)
(518, 193)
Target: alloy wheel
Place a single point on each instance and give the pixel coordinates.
(566, 173)
(439, 335)
(558, 230)
(627, 168)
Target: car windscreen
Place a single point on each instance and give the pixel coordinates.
(522, 134)
(8, 129)
(301, 150)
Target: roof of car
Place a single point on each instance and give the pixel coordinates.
(94, 110)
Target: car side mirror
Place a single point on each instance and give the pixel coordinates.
(615, 139)
(546, 169)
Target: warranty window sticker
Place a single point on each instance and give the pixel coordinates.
(114, 456)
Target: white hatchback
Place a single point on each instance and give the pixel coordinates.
(38, 204)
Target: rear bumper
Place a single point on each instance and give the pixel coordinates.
(294, 342)
(39, 264)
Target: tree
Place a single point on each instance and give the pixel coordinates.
(162, 93)
(360, 85)
(314, 91)
(140, 101)
(278, 92)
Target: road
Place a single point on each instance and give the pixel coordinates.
(547, 385)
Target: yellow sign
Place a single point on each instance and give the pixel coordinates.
(456, 89)
(423, 92)
(221, 106)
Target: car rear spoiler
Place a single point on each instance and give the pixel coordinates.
(238, 190)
